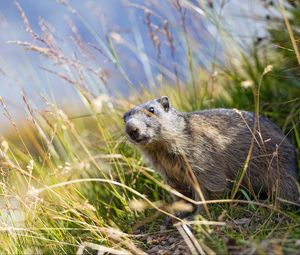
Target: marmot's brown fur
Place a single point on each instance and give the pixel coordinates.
(214, 144)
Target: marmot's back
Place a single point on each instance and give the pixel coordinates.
(215, 144)
(222, 140)
(234, 127)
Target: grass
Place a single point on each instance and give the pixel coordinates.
(74, 180)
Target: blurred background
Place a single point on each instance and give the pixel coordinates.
(118, 45)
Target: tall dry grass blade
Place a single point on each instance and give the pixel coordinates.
(186, 235)
(290, 31)
(254, 132)
(111, 182)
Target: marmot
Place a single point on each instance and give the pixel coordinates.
(214, 144)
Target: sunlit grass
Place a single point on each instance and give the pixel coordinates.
(69, 180)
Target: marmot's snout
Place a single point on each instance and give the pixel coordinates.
(136, 131)
(132, 130)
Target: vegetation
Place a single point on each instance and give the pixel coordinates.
(69, 180)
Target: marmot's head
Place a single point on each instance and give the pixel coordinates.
(145, 123)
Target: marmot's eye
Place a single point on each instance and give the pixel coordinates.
(151, 109)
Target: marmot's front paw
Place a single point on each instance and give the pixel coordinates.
(170, 221)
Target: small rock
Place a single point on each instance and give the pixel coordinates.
(176, 252)
(165, 252)
(180, 247)
(149, 240)
(154, 249)
(242, 221)
(171, 240)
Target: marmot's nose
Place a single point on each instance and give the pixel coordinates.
(132, 130)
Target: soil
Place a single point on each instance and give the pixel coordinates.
(164, 242)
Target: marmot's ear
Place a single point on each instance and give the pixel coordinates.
(164, 101)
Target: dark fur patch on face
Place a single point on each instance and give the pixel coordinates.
(129, 113)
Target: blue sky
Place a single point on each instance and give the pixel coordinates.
(20, 70)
